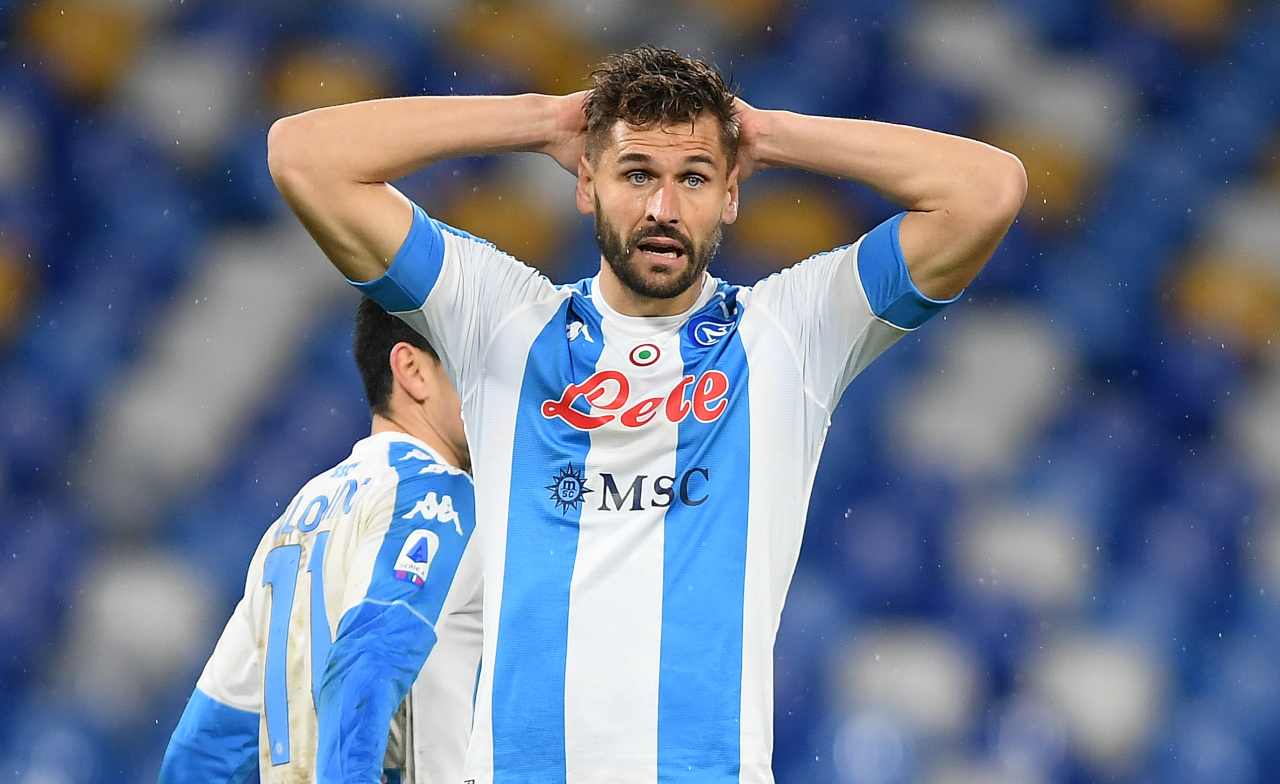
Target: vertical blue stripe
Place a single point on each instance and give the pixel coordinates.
(280, 571)
(381, 645)
(413, 486)
(703, 580)
(542, 544)
(320, 641)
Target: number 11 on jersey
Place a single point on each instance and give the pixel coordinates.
(280, 571)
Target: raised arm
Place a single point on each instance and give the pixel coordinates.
(333, 165)
(961, 195)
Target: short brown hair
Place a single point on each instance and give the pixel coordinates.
(649, 86)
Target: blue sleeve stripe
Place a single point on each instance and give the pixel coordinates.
(887, 282)
(213, 742)
(413, 271)
(379, 650)
(396, 603)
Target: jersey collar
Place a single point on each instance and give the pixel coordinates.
(709, 287)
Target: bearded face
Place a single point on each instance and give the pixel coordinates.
(656, 261)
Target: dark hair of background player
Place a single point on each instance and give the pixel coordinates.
(376, 333)
(649, 86)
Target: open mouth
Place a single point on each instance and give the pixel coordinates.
(661, 246)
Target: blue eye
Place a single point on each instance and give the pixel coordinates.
(637, 178)
(694, 180)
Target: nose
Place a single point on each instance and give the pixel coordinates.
(663, 205)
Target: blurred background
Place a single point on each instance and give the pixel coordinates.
(1044, 545)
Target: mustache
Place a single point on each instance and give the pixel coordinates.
(662, 231)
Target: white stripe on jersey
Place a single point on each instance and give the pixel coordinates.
(615, 600)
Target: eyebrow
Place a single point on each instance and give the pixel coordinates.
(640, 157)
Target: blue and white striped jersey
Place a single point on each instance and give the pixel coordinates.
(644, 483)
(366, 576)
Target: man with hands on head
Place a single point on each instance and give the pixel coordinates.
(645, 440)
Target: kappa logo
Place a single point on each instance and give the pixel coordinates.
(432, 466)
(576, 329)
(439, 508)
(414, 561)
(439, 468)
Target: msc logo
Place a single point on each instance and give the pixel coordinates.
(569, 489)
(692, 488)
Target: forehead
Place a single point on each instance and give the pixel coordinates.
(669, 143)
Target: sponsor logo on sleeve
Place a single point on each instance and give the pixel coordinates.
(432, 466)
(438, 508)
(416, 556)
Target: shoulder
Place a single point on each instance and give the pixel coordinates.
(417, 471)
(816, 265)
(429, 490)
(394, 470)
(481, 254)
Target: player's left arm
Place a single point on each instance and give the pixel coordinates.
(410, 549)
(961, 195)
(216, 740)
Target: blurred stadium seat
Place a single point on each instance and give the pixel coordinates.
(1044, 544)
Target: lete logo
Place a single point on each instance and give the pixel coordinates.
(609, 391)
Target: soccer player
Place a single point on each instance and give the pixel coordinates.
(645, 440)
(366, 576)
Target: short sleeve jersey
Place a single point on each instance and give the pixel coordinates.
(643, 486)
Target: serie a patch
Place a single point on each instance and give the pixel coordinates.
(416, 556)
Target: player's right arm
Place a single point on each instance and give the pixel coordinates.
(333, 165)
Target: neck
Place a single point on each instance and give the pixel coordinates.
(629, 303)
(421, 428)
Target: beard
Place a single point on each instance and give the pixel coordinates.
(618, 252)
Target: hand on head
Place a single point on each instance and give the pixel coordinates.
(569, 142)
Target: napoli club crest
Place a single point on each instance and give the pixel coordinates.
(708, 330)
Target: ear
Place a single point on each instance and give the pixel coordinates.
(409, 371)
(585, 193)
(729, 213)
